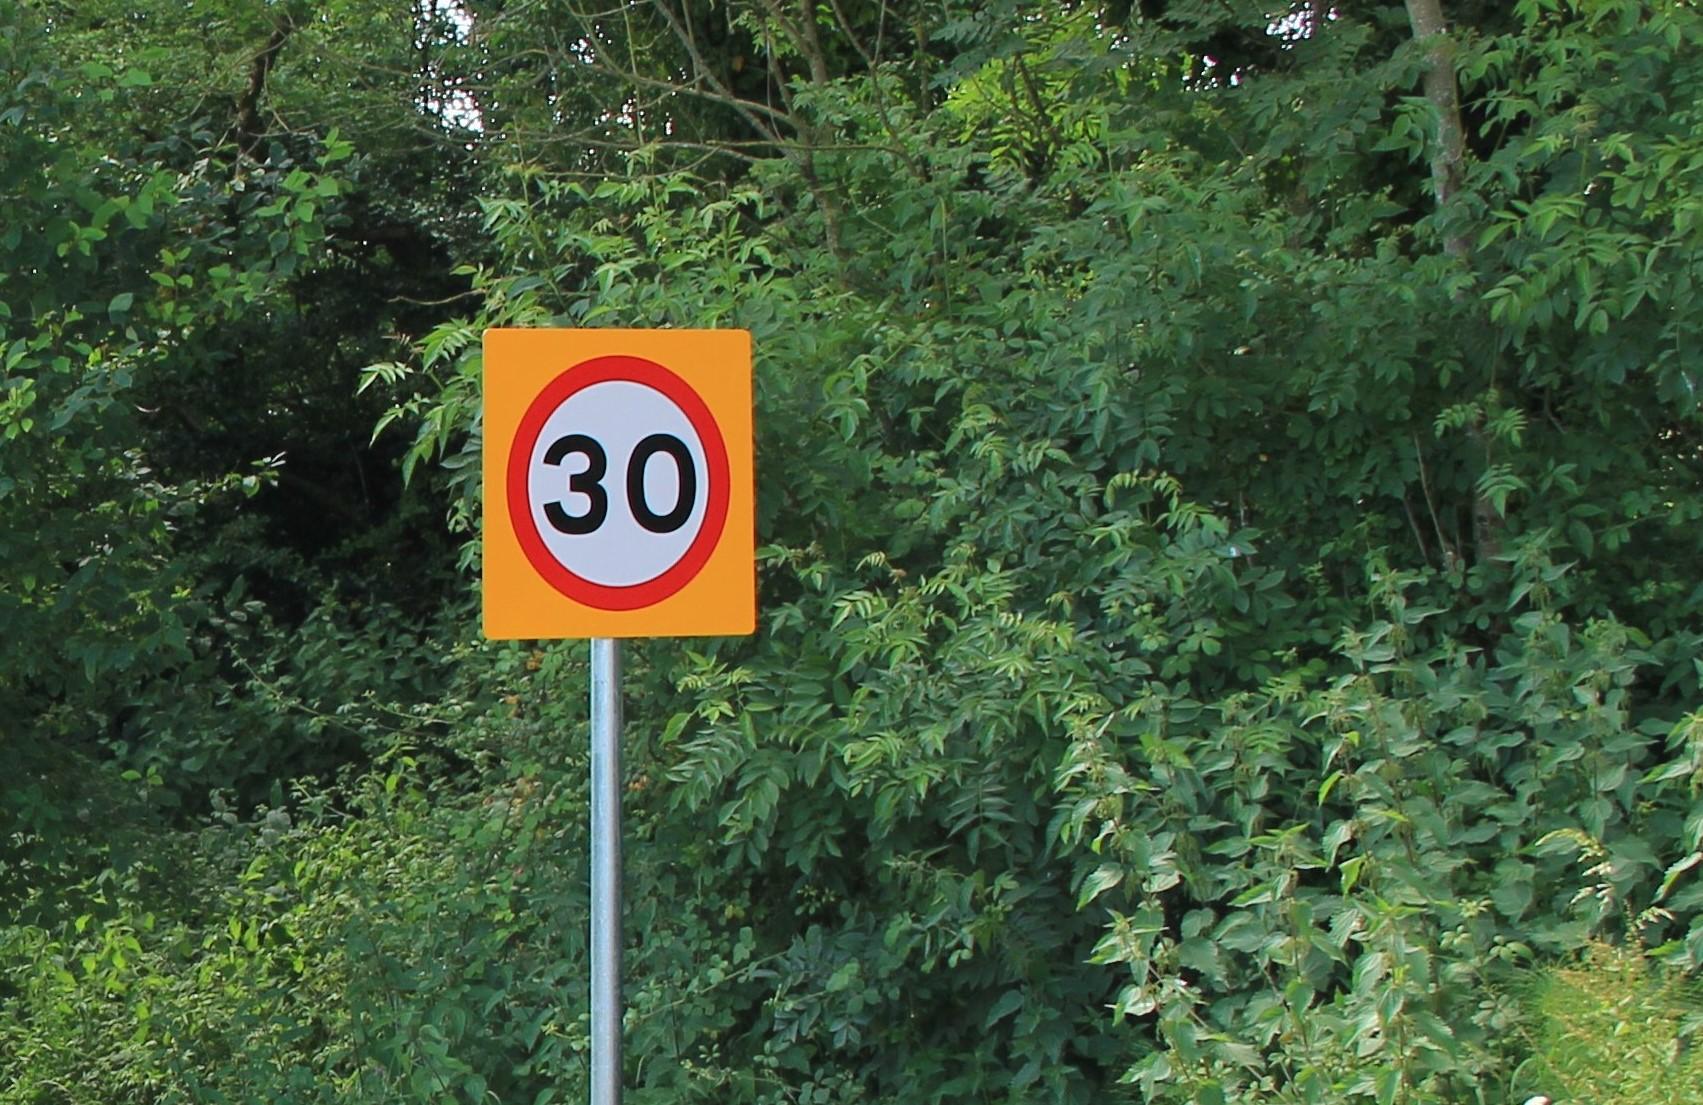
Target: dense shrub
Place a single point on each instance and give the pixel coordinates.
(1218, 635)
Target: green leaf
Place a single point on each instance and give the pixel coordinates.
(1102, 879)
(1009, 1002)
(1674, 871)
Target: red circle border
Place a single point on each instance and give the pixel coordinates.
(602, 370)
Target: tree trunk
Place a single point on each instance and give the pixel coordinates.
(249, 131)
(1431, 31)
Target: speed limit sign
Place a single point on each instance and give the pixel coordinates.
(618, 483)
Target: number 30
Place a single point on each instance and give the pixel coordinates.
(590, 484)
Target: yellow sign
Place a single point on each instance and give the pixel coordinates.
(619, 487)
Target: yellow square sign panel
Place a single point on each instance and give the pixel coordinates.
(619, 486)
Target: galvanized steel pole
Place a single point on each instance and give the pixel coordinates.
(605, 871)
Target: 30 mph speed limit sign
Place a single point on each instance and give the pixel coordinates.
(618, 484)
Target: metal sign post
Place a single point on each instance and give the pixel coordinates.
(619, 502)
(605, 871)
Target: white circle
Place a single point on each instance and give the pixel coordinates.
(617, 415)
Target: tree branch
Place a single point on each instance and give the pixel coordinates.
(803, 155)
(813, 43)
(703, 72)
(248, 104)
(873, 65)
(1446, 550)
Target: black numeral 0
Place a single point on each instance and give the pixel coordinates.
(688, 492)
(590, 484)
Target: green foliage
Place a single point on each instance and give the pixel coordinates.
(93, 601)
(1150, 469)
(279, 970)
(151, 453)
(1216, 636)
(1612, 1029)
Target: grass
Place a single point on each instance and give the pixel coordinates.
(1614, 1029)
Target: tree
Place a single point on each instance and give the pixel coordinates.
(183, 342)
(1216, 630)
(1154, 482)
